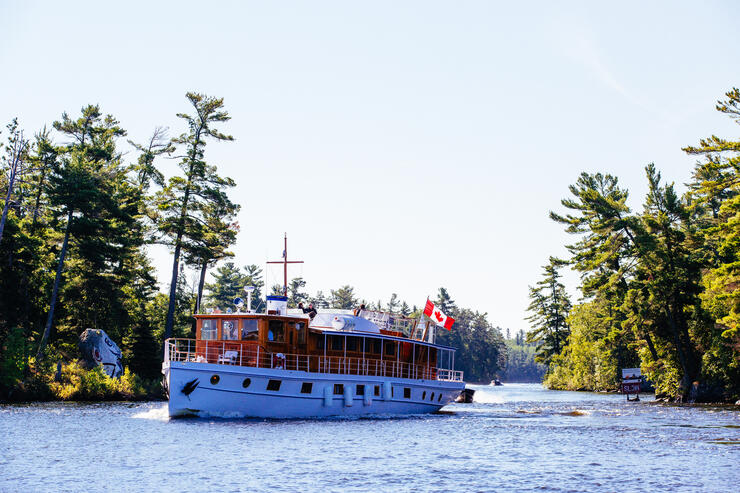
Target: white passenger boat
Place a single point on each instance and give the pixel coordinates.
(280, 365)
(285, 365)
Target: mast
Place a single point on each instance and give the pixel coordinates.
(285, 263)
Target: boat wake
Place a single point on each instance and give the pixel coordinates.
(154, 413)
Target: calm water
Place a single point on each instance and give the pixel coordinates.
(513, 438)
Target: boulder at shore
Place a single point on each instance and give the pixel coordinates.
(98, 349)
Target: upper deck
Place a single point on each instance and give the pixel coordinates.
(332, 343)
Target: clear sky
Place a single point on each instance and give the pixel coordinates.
(403, 146)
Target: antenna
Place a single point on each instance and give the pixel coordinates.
(285, 263)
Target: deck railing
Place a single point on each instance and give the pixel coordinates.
(256, 356)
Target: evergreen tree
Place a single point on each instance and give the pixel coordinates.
(295, 295)
(549, 309)
(183, 198)
(78, 186)
(343, 298)
(228, 284)
(319, 301)
(253, 277)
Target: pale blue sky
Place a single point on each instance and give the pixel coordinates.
(402, 145)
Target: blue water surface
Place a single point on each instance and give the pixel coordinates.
(518, 437)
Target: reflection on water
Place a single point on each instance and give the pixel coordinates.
(512, 438)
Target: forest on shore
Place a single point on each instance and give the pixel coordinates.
(79, 211)
(659, 286)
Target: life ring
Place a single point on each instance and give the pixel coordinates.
(278, 361)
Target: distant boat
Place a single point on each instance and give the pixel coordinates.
(496, 382)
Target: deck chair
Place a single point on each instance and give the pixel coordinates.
(229, 357)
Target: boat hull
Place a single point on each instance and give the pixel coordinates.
(206, 390)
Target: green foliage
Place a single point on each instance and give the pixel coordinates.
(228, 284)
(295, 295)
(189, 204)
(587, 362)
(520, 363)
(660, 287)
(80, 384)
(13, 353)
(549, 308)
(481, 351)
(343, 298)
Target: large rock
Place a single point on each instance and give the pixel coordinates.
(98, 349)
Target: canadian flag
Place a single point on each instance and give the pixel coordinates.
(437, 316)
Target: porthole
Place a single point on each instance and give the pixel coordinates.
(246, 382)
(424, 395)
(432, 397)
(215, 379)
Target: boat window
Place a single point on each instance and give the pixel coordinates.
(208, 330)
(424, 395)
(229, 331)
(249, 329)
(274, 385)
(390, 348)
(407, 393)
(306, 388)
(337, 343)
(439, 399)
(338, 389)
(215, 379)
(432, 397)
(351, 344)
(360, 390)
(374, 346)
(377, 390)
(300, 329)
(320, 342)
(246, 382)
(276, 331)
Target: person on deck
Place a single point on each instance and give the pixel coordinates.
(311, 311)
(358, 311)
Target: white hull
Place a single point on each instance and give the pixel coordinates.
(229, 398)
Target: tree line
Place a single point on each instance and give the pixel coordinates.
(659, 286)
(77, 217)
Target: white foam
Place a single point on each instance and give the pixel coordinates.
(484, 396)
(155, 413)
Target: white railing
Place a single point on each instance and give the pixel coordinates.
(449, 375)
(255, 356)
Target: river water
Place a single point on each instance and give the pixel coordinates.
(518, 437)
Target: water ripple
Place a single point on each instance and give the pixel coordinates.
(512, 438)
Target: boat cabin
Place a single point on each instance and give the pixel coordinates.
(330, 343)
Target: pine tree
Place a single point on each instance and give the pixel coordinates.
(295, 295)
(253, 277)
(228, 284)
(78, 188)
(183, 198)
(343, 298)
(549, 309)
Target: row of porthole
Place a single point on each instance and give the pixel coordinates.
(431, 398)
(271, 386)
